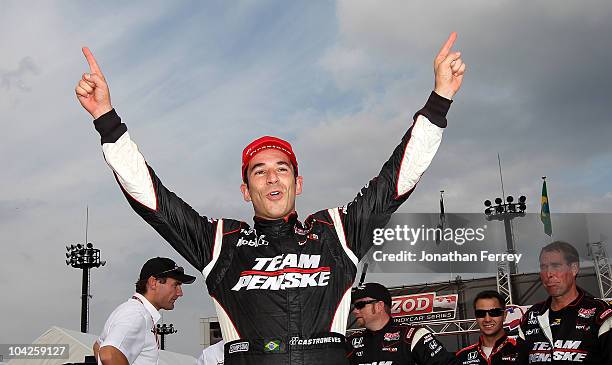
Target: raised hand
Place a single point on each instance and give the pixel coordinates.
(448, 69)
(92, 90)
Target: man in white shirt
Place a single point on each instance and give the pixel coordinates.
(129, 335)
(212, 355)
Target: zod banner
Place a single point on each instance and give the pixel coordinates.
(424, 307)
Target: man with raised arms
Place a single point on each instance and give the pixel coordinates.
(281, 288)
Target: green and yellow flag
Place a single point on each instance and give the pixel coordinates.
(545, 211)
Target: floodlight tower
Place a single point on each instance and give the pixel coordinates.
(163, 330)
(506, 212)
(84, 257)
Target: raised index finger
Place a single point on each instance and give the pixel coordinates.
(93, 65)
(448, 45)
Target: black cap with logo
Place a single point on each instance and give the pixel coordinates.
(371, 290)
(163, 267)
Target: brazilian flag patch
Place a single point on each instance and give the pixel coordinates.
(272, 346)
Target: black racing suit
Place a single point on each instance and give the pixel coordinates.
(577, 334)
(397, 344)
(282, 289)
(506, 351)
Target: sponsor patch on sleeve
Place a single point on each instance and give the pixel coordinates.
(238, 347)
(409, 334)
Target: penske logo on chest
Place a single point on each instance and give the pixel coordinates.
(284, 271)
(563, 350)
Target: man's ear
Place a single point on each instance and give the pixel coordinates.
(245, 192)
(575, 268)
(298, 185)
(151, 283)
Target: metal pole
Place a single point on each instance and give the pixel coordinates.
(84, 299)
(461, 308)
(509, 242)
(501, 178)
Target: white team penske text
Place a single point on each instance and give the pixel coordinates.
(563, 351)
(284, 271)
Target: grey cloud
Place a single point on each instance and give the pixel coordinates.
(15, 209)
(15, 79)
(534, 92)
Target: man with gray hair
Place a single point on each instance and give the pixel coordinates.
(570, 326)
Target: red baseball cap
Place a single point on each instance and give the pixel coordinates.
(264, 143)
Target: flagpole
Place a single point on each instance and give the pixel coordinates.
(549, 216)
(441, 224)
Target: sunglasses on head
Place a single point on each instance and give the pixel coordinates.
(360, 305)
(493, 312)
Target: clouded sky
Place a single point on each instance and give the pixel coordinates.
(196, 81)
